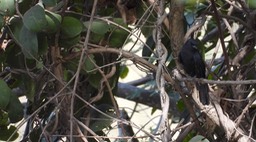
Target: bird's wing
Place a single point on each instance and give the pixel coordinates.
(180, 58)
(199, 65)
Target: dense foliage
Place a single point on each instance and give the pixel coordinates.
(66, 57)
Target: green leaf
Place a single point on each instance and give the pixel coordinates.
(4, 119)
(120, 22)
(252, 3)
(70, 27)
(95, 38)
(124, 70)
(42, 44)
(29, 43)
(34, 19)
(101, 121)
(94, 79)
(7, 7)
(118, 37)
(5, 94)
(30, 86)
(154, 109)
(6, 132)
(15, 27)
(15, 109)
(53, 21)
(1, 21)
(49, 3)
(89, 63)
(35, 135)
(180, 105)
(98, 27)
(69, 42)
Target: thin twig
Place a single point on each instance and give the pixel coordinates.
(217, 17)
(80, 66)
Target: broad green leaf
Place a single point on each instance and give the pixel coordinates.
(49, 3)
(98, 27)
(29, 43)
(30, 86)
(34, 19)
(15, 109)
(124, 70)
(101, 121)
(95, 38)
(15, 27)
(69, 42)
(7, 7)
(6, 132)
(53, 21)
(70, 27)
(119, 21)
(117, 38)
(89, 63)
(5, 94)
(42, 44)
(94, 79)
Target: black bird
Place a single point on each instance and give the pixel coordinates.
(194, 66)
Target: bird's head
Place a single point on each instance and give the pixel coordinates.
(191, 43)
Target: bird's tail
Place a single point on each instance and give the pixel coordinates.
(203, 93)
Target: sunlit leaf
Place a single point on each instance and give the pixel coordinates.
(124, 70)
(153, 110)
